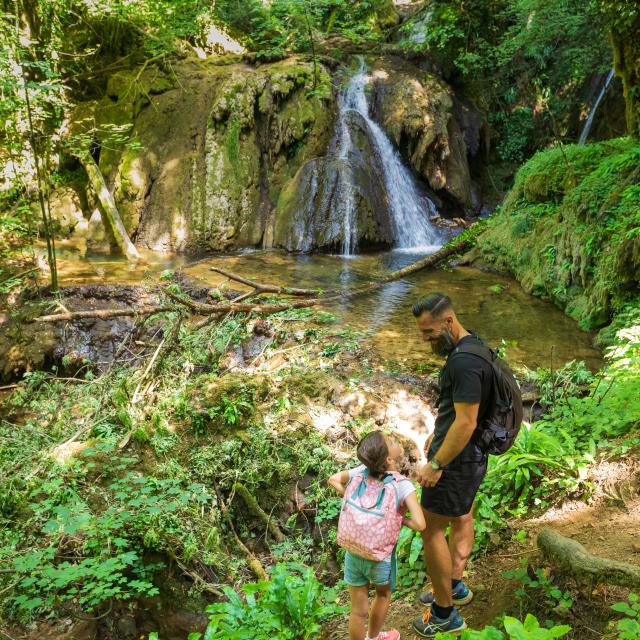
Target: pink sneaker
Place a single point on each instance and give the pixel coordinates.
(392, 634)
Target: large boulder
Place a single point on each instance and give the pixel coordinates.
(336, 195)
(433, 130)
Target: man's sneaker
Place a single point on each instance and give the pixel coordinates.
(460, 596)
(392, 634)
(429, 624)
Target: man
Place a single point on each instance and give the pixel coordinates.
(456, 464)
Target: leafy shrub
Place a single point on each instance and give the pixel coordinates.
(629, 627)
(290, 606)
(530, 629)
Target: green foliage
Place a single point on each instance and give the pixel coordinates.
(105, 530)
(551, 456)
(557, 384)
(537, 589)
(530, 629)
(527, 59)
(410, 560)
(290, 606)
(569, 228)
(628, 628)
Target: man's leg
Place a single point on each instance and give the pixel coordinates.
(359, 612)
(437, 557)
(460, 543)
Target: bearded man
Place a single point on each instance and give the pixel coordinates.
(455, 464)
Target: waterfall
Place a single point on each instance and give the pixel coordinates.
(408, 208)
(587, 125)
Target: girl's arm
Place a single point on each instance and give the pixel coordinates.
(339, 481)
(416, 519)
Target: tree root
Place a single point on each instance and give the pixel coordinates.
(570, 556)
(258, 511)
(252, 560)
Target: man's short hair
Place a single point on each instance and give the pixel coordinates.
(435, 303)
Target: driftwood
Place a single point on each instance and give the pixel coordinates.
(333, 294)
(570, 556)
(109, 207)
(267, 288)
(105, 314)
(233, 307)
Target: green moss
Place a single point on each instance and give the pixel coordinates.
(568, 230)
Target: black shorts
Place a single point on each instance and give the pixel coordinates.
(460, 480)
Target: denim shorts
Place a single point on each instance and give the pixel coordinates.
(359, 572)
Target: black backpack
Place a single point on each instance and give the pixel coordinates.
(497, 430)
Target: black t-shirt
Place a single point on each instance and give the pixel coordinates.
(464, 378)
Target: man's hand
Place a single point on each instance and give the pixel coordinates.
(428, 476)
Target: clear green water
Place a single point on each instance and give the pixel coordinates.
(539, 334)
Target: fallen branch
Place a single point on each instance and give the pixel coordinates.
(108, 204)
(570, 556)
(104, 314)
(207, 309)
(425, 263)
(267, 288)
(252, 561)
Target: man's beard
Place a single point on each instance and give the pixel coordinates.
(444, 344)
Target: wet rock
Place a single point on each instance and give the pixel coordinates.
(418, 110)
(90, 343)
(207, 175)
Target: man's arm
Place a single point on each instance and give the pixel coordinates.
(455, 441)
(460, 431)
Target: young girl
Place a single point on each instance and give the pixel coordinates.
(376, 498)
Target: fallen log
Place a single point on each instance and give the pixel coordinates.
(204, 309)
(257, 510)
(333, 294)
(264, 309)
(267, 288)
(570, 556)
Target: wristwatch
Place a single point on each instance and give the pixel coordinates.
(435, 464)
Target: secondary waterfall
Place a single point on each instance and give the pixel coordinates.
(587, 125)
(408, 208)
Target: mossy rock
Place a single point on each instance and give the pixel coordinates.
(569, 229)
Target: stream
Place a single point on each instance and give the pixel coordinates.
(536, 333)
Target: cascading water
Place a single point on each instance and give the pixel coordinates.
(407, 207)
(587, 125)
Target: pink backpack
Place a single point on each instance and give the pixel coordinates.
(370, 520)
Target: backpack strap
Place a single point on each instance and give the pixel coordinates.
(480, 350)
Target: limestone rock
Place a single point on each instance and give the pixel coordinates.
(418, 111)
(209, 153)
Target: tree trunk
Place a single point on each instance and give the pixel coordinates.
(109, 207)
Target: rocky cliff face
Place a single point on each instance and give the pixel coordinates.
(218, 154)
(210, 148)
